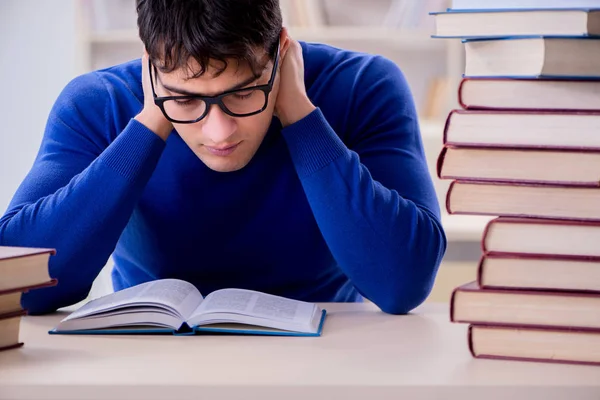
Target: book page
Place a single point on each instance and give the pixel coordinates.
(256, 304)
(179, 296)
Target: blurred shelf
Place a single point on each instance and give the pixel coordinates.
(417, 40)
(115, 36)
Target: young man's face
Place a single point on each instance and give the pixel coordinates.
(223, 142)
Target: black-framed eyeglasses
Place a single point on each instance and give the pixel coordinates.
(189, 109)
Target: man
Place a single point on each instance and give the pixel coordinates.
(232, 155)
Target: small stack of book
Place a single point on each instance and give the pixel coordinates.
(525, 148)
(21, 269)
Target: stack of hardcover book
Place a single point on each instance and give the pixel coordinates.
(525, 148)
(21, 269)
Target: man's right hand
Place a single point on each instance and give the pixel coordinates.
(151, 116)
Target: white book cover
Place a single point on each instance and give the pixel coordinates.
(522, 4)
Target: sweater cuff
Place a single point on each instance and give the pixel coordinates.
(134, 150)
(312, 143)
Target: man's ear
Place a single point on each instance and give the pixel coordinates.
(284, 43)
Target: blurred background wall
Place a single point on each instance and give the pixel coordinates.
(37, 58)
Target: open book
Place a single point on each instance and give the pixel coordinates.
(177, 307)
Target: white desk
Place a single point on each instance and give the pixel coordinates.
(363, 354)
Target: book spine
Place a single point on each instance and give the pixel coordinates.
(461, 85)
(453, 303)
(480, 271)
(447, 126)
(486, 232)
(470, 341)
(25, 289)
(13, 314)
(12, 346)
(448, 197)
(440, 162)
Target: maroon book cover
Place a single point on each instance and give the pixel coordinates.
(526, 359)
(24, 289)
(10, 252)
(442, 156)
(14, 346)
(496, 183)
(474, 287)
(535, 221)
(446, 141)
(465, 80)
(520, 256)
(12, 315)
(440, 162)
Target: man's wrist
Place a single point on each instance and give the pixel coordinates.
(294, 115)
(157, 124)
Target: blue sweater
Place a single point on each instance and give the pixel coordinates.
(334, 207)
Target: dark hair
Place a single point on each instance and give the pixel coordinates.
(175, 30)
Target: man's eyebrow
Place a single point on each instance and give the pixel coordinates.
(184, 92)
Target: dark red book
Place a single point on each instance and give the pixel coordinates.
(529, 94)
(523, 129)
(549, 238)
(9, 330)
(24, 267)
(535, 308)
(569, 167)
(531, 272)
(523, 200)
(10, 300)
(549, 345)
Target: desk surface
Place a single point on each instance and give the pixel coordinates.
(363, 353)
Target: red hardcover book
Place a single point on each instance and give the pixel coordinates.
(537, 237)
(25, 289)
(9, 330)
(569, 167)
(10, 300)
(532, 344)
(523, 200)
(531, 272)
(23, 267)
(472, 304)
(529, 94)
(523, 129)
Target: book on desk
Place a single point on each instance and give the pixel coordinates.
(22, 269)
(523, 148)
(173, 306)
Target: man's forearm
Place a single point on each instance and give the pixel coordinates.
(82, 220)
(388, 246)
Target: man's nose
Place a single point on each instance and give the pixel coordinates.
(218, 126)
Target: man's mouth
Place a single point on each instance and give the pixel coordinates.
(222, 151)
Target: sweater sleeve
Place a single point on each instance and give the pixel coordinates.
(374, 199)
(80, 192)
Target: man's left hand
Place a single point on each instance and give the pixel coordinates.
(292, 102)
